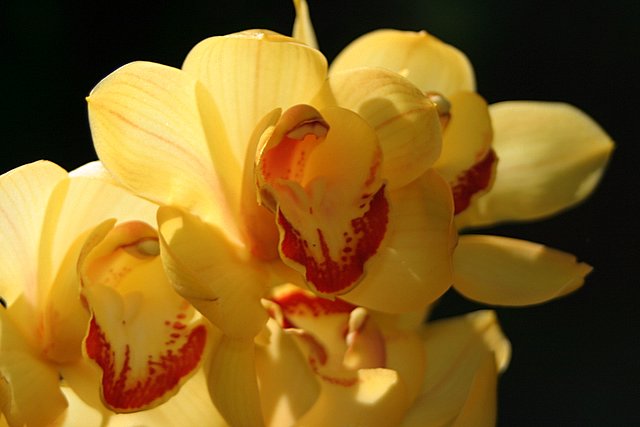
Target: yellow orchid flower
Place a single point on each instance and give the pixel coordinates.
(333, 363)
(512, 161)
(79, 296)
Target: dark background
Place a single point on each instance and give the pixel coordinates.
(576, 360)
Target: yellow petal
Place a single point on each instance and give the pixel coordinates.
(463, 357)
(128, 294)
(404, 119)
(552, 156)
(24, 200)
(212, 274)
(467, 161)
(369, 397)
(288, 387)
(321, 175)
(157, 130)
(302, 27)
(504, 271)
(250, 74)
(232, 382)
(29, 387)
(426, 61)
(416, 255)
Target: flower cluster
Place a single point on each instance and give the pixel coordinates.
(263, 236)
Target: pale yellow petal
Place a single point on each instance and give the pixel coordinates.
(404, 119)
(24, 201)
(427, 62)
(288, 387)
(463, 357)
(370, 397)
(157, 131)
(302, 27)
(551, 157)
(213, 274)
(29, 387)
(232, 382)
(250, 74)
(413, 266)
(505, 271)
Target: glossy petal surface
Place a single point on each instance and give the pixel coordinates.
(552, 156)
(505, 271)
(427, 62)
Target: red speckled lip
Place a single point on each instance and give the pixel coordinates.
(164, 371)
(473, 180)
(361, 242)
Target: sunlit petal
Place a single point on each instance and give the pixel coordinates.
(232, 382)
(245, 73)
(146, 117)
(29, 387)
(413, 267)
(129, 295)
(463, 357)
(551, 156)
(302, 27)
(212, 274)
(330, 202)
(24, 200)
(427, 62)
(504, 271)
(404, 119)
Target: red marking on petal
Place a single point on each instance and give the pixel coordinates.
(331, 276)
(164, 371)
(301, 303)
(472, 181)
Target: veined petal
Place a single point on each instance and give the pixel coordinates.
(129, 295)
(404, 119)
(320, 173)
(463, 355)
(467, 161)
(302, 27)
(233, 384)
(212, 273)
(250, 74)
(413, 267)
(158, 132)
(427, 62)
(24, 200)
(552, 156)
(504, 271)
(29, 387)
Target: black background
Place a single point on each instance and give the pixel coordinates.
(576, 360)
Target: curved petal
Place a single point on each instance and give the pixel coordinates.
(250, 74)
(426, 61)
(233, 384)
(322, 178)
(464, 355)
(24, 201)
(467, 161)
(288, 387)
(158, 132)
(302, 27)
(404, 119)
(504, 271)
(128, 294)
(212, 273)
(552, 156)
(29, 387)
(413, 266)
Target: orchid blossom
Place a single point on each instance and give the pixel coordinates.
(511, 161)
(328, 362)
(80, 294)
(266, 173)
